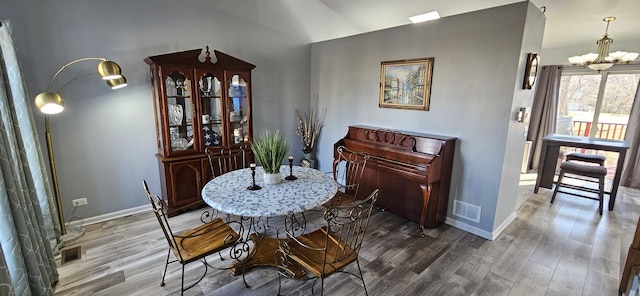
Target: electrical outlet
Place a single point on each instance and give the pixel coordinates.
(79, 202)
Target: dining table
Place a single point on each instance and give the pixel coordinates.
(232, 193)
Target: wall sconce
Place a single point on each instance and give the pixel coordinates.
(52, 103)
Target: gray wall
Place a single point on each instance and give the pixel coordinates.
(476, 86)
(104, 141)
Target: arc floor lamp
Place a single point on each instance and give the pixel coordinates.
(49, 103)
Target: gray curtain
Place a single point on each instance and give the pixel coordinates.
(27, 232)
(543, 111)
(6, 288)
(631, 173)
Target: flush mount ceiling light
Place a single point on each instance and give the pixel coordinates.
(429, 16)
(603, 59)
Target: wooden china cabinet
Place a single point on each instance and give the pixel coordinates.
(200, 101)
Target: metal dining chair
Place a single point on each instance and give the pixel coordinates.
(331, 248)
(348, 169)
(225, 159)
(193, 244)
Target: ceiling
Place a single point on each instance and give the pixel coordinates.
(569, 22)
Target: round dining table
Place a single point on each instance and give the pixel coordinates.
(229, 193)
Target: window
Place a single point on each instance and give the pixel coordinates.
(596, 105)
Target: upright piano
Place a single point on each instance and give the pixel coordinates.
(412, 171)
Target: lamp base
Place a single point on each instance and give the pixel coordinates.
(73, 234)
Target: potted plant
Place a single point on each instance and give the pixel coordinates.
(270, 149)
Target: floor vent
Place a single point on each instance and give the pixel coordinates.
(70, 254)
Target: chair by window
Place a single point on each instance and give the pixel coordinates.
(226, 159)
(193, 244)
(331, 248)
(348, 168)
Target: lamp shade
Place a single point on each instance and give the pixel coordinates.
(49, 102)
(109, 70)
(117, 83)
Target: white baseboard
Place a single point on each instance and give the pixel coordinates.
(109, 216)
(480, 232)
(504, 225)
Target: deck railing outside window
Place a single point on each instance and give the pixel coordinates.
(611, 131)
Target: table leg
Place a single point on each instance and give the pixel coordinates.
(263, 255)
(541, 165)
(616, 179)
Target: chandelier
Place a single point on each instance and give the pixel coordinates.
(603, 59)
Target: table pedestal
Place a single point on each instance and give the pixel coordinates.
(264, 254)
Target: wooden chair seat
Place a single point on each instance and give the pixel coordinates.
(204, 240)
(340, 198)
(313, 259)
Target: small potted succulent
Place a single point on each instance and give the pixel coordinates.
(270, 149)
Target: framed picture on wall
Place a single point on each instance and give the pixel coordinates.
(406, 84)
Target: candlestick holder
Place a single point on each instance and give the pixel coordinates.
(291, 176)
(253, 178)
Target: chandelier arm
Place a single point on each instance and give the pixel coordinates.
(69, 64)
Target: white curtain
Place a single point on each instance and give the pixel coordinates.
(631, 173)
(28, 232)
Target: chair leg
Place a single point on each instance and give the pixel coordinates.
(601, 193)
(362, 278)
(279, 252)
(555, 190)
(165, 268)
(182, 285)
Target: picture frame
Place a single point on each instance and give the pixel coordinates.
(406, 84)
(531, 70)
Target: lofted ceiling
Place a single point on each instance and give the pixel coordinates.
(569, 22)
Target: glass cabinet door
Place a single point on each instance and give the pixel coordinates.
(237, 106)
(210, 110)
(179, 111)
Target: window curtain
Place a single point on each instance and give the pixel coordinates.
(27, 232)
(631, 173)
(543, 111)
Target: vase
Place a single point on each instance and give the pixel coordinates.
(271, 179)
(308, 160)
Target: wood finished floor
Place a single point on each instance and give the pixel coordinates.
(560, 249)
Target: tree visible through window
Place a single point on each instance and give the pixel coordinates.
(596, 105)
